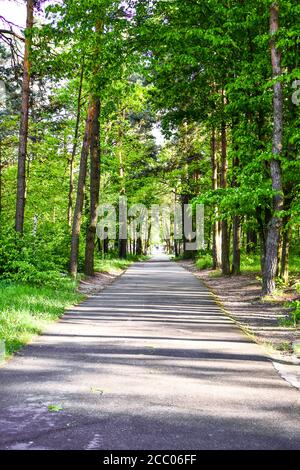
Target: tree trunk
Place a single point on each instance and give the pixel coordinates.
(74, 149)
(23, 136)
(216, 248)
(139, 246)
(236, 227)
(236, 246)
(251, 241)
(122, 248)
(225, 235)
(275, 224)
(81, 190)
(284, 267)
(94, 189)
(105, 245)
(122, 241)
(134, 246)
(185, 241)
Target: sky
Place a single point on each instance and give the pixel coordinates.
(13, 10)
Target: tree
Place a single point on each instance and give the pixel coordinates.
(275, 224)
(77, 219)
(94, 188)
(23, 139)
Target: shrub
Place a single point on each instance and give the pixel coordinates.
(204, 261)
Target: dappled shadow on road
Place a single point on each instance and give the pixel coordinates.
(159, 429)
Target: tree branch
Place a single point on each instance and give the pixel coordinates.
(11, 33)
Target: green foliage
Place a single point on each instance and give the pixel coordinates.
(204, 261)
(55, 408)
(250, 263)
(293, 318)
(34, 259)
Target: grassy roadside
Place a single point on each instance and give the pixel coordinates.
(116, 265)
(250, 263)
(285, 293)
(25, 310)
(271, 321)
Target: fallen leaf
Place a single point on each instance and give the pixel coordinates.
(55, 408)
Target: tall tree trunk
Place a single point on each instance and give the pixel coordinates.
(74, 149)
(185, 241)
(122, 241)
(81, 189)
(236, 229)
(105, 245)
(225, 235)
(236, 245)
(139, 246)
(284, 267)
(176, 249)
(275, 224)
(251, 241)
(216, 245)
(23, 136)
(94, 189)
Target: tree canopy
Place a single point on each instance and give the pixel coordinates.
(164, 102)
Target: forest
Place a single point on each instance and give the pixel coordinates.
(164, 102)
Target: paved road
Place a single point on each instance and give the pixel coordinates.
(149, 363)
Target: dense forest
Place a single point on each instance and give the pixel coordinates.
(181, 101)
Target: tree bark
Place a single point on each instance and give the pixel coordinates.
(139, 246)
(275, 224)
(81, 190)
(74, 149)
(284, 267)
(184, 202)
(225, 235)
(236, 245)
(216, 245)
(105, 245)
(251, 241)
(94, 188)
(23, 135)
(236, 228)
(122, 241)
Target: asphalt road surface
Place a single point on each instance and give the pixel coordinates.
(149, 363)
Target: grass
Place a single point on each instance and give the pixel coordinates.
(204, 261)
(116, 265)
(250, 263)
(296, 348)
(26, 310)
